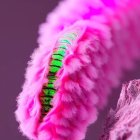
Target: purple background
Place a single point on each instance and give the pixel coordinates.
(19, 21)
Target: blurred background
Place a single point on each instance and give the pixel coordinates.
(19, 22)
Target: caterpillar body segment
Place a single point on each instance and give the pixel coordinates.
(56, 63)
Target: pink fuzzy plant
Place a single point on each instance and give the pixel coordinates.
(108, 42)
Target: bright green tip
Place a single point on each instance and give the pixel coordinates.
(56, 63)
(60, 52)
(54, 69)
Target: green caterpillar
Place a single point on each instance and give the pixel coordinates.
(56, 63)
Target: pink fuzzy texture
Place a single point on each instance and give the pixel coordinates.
(108, 43)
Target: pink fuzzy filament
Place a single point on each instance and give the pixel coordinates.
(108, 42)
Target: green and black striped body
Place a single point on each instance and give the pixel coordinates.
(56, 62)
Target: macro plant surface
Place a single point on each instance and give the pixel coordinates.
(84, 46)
